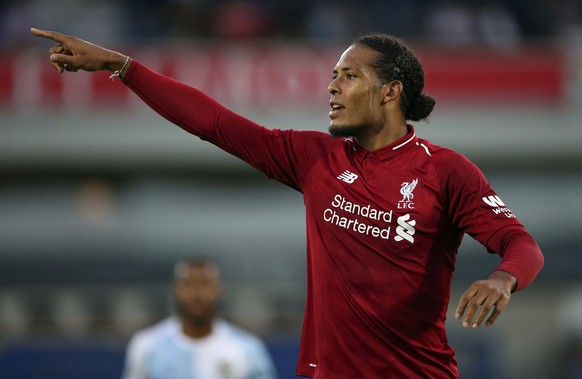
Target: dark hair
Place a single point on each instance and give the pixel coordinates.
(183, 264)
(397, 62)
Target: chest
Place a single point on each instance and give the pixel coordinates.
(391, 201)
(206, 361)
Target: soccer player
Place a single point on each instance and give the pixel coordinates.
(196, 343)
(385, 209)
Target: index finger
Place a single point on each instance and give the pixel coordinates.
(55, 36)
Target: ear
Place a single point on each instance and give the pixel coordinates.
(391, 91)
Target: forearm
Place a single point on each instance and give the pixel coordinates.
(182, 105)
(197, 113)
(521, 256)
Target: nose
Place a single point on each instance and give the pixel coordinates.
(333, 88)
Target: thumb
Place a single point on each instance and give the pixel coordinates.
(64, 62)
(61, 58)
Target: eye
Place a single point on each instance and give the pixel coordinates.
(350, 76)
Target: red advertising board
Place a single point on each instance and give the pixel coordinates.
(263, 76)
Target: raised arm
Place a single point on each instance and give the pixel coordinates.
(279, 154)
(183, 105)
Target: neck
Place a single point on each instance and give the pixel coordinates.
(198, 329)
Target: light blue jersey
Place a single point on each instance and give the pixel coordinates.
(162, 351)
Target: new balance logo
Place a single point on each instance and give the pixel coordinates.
(348, 177)
(493, 201)
(405, 229)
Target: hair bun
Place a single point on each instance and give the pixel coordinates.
(421, 107)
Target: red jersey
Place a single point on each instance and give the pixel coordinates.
(383, 229)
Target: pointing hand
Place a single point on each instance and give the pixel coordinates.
(73, 54)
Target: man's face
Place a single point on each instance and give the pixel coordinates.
(197, 291)
(355, 94)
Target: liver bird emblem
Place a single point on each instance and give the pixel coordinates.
(406, 190)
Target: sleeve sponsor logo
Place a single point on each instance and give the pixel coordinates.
(498, 206)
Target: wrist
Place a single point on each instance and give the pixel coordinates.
(509, 281)
(119, 66)
(114, 61)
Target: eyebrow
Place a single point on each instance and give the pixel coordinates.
(343, 69)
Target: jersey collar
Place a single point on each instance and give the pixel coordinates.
(395, 148)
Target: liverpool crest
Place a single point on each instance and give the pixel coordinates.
(406, 189)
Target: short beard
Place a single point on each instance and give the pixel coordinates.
(193, 319)
(345, 131)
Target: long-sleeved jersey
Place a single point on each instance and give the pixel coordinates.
(162, 351)
(383, 229)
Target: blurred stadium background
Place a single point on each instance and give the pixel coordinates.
(99, 195)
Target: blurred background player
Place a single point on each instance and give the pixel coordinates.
(196, 343)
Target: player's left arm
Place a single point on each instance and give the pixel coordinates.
(478, 211)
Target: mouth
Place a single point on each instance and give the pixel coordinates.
(336, 109)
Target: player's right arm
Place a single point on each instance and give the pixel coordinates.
(282, 155)
(182, 105)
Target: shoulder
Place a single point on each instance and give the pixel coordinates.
(454, 172)
(305, 136)
(155, 333)
(447, 161)
(440, 153)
